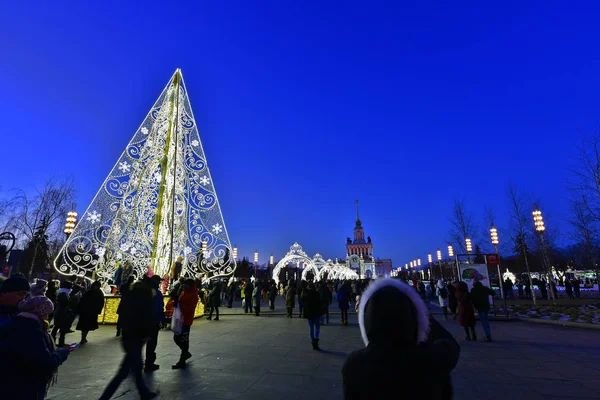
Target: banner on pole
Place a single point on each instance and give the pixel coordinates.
(471, 273)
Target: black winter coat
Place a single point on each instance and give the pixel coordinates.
(312, 304)
(480, 297)
(452, 300)
(27, 359)
(406, 371)
(290, 297)
(344, 297)
(214, 299)
(89, 307)
(63, 313)
(248, 291)
(137, 313)
(326, 298)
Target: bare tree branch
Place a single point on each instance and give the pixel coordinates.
(463, 226)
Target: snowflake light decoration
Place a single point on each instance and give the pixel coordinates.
(158, 197)
(124, 166)
(94, 217)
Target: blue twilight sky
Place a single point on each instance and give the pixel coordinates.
(305, 106)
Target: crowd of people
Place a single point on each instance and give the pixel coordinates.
(33, 315)
(572, 287)
(395, 324)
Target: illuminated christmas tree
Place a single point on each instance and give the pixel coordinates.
(157, 204)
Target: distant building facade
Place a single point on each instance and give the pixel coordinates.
(360, 257)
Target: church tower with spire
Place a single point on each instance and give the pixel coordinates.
(359, 253)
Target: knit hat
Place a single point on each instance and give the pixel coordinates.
(15, 284)
(38, 305)
(39, 288)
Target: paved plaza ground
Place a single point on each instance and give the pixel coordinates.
(270, 357)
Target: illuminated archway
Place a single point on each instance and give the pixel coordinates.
(335, 270)
(295, 256)
(315, 267)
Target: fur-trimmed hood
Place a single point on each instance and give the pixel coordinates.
(391, 307)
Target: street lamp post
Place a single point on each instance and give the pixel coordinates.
(430, 262)
(256, 264)
(70, 224)
(494, 237)
(439, 257)
(455, 262)
(469, 247)
(235, 253)
(538, 220)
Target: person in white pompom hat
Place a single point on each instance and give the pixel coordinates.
(408, 354)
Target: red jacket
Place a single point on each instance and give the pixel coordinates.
(187, 304)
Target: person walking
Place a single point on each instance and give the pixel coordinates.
(442, 293)
(242, 293)
(272, 295)
(576, 288)
(290, 300)
(28, 358)
(344, 301)
(452, 300)
(64, 314)
(223, 290)
(544, 289)
(480, 297)
(313, 310)
(229, 292)
(248, 289)
(158, 307)
(569, 289)
(127, 277)
(520, 289)
(508, 288)
(125, 290)
(214, 301)
(326, 298)
(89, 307)
(176, 269)
(433, 288)
(466, 315)
(117, 277)
(421, 289)
(301, 287)
(187, 304)
(256, 297)
(137, 319)
(407, 353)
(527, 289)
